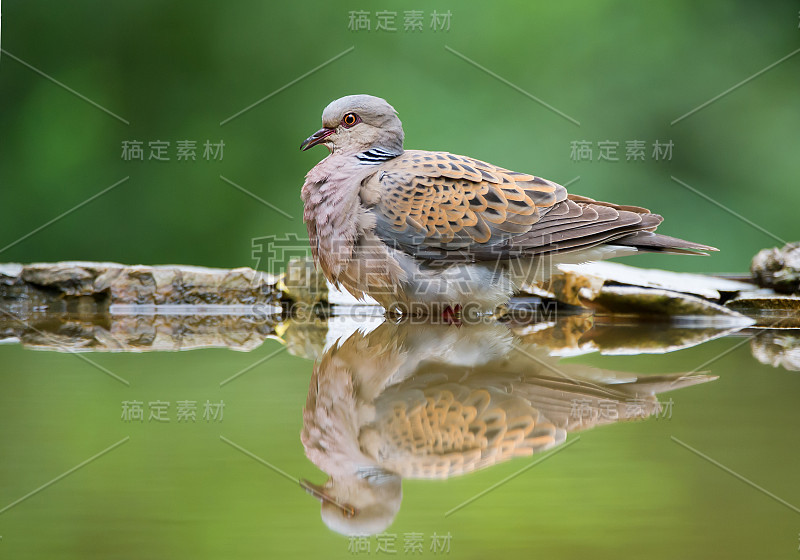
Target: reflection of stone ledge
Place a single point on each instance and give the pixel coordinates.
(778, 349)
(136, 333)
(307, 336)
(581, 334)
(770, 310)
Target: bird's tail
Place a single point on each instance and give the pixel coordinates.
(650, 242)
(661, 383)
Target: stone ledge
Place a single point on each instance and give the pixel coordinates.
(41, 284)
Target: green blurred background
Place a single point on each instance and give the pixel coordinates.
(624, 70)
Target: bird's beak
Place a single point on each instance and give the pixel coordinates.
(316, 138)
(319, 493)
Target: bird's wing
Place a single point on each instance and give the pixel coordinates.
(452, 202)
(432, 204)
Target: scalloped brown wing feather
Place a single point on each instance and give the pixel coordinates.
(452, 202)
(441, 206)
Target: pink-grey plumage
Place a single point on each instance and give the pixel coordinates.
(414, 228)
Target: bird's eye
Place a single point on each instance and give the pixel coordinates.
(350, 119)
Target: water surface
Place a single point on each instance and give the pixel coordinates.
(619, 466)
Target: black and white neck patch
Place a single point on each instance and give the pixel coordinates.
(375, 156)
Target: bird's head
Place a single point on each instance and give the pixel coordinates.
(357, 123)
(359, 504)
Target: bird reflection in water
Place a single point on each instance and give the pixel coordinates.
(428, 401)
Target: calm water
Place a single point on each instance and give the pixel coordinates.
(566, 440)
